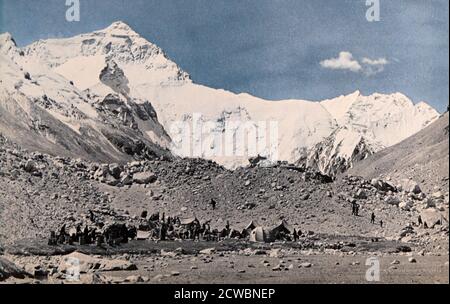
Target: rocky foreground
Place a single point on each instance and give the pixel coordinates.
(39, 193)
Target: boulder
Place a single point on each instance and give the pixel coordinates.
(406, 205)
(110, 180)
(429, 203)
(403, 248)
(360, 194)
(134, 164)
(126, 180)
(115, 170)
(411, 186)
(92, 278)
(275, 253)
(305, 197)
(433, 217)
(80, 262)
(144, 177)
(392, 200)
(9, 269)
(83, 263)
(208, 251)
(36, 270)
(30, 166)
(305, 265)
(116, 265)
(135, 279)
(438, 195)
(102, 171)
(382, 185)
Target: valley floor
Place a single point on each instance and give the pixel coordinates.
(229, 268)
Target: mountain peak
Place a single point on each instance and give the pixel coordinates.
(424, 106)
(356, 93)
(119, 27)
(8, 44)
(400, 96)
(6, 38)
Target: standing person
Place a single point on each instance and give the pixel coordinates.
(372, 218)
(92, 216)
(196, 232)
(163, 232)
(86, 235)
(144, 214)
(62, 235)
(354, 209)
(420, 221)
(52, 241)
(381, 223)
(213, 204)
(295, 235)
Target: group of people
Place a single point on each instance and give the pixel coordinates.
(170, 228)
(113, 234)
(372, 220)
(157, 227)
(355, 209)
(355, 212)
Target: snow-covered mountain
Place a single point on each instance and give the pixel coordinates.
(42, 110)
(88, 71)
(367, 124)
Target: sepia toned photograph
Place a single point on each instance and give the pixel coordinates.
(213, 142)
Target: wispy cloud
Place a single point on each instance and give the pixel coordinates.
(374, 66)
(346, 61)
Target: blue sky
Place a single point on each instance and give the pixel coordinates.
(275, 49)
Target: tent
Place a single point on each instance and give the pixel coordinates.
(188, 221)
(283, 226)
(249, 228)
(252, 225)
(433, 217)
(73, 231)
(259, 235)
(143, 235)
(281, 230)
(234, 234)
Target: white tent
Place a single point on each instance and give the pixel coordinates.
(258, 235)
(143, 235)
(252, 225)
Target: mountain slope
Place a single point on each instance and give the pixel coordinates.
(338, 152)
(42, 110)
(424, 157)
